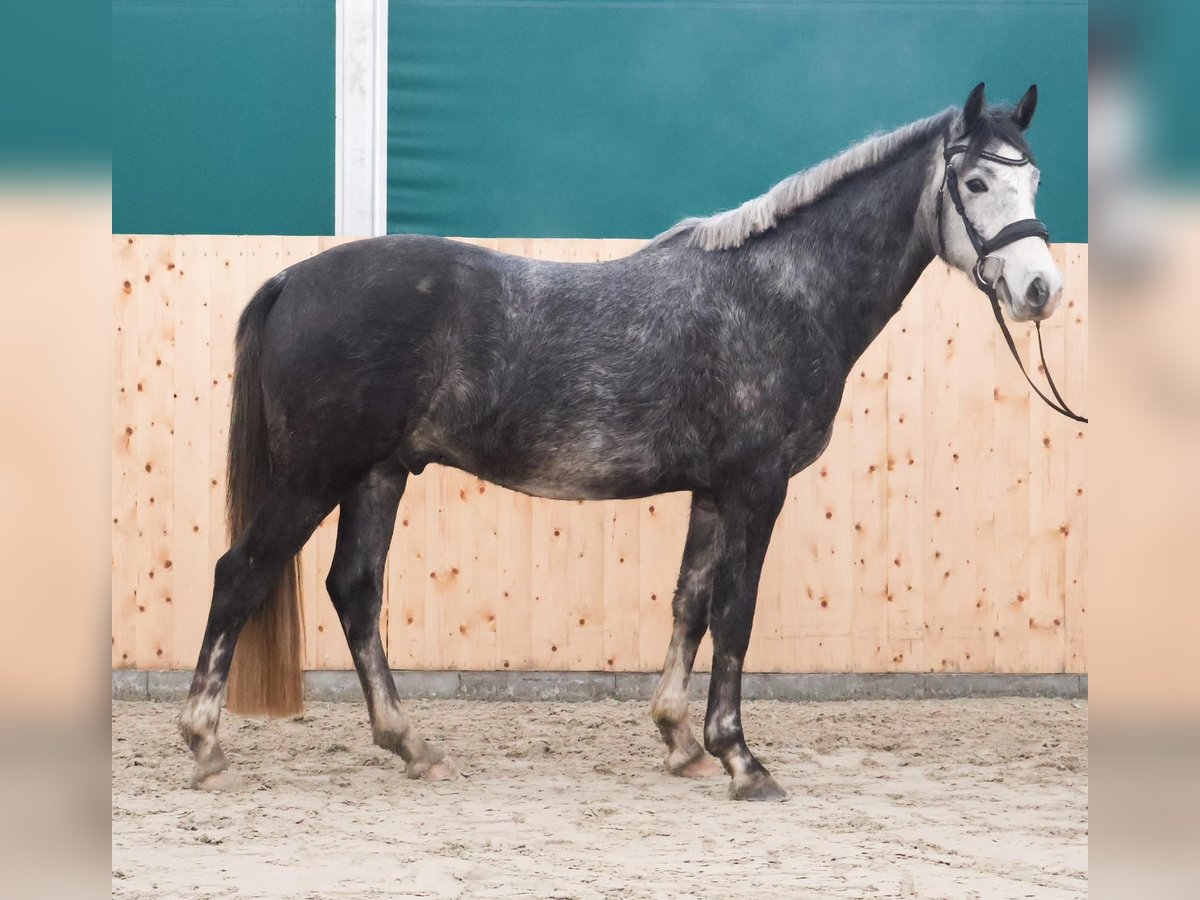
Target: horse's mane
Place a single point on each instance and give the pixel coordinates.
(734, 227)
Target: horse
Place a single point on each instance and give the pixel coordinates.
(712, 360)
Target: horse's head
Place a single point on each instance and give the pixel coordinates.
(988, 225)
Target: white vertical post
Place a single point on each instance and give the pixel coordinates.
(360, 158)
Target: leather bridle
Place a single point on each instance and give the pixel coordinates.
(985, 248)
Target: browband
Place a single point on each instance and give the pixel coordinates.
(984, 154)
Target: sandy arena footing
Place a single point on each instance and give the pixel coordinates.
(908, 798)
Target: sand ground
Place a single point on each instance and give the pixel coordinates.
(962, 798)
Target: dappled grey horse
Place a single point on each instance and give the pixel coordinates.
(712, 361)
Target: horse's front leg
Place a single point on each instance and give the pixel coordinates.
(669, 707)
(746, 514)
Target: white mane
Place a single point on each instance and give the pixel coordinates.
(734, 227)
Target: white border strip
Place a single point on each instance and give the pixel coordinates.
(380, 143)
(360, 141)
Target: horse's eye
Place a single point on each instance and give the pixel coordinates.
(975, 186)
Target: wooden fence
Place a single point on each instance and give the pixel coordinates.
(945, 528)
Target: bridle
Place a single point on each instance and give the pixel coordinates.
(985, 247)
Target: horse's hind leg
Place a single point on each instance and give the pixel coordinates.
(355, 583)
(669, 707)
(241, 581)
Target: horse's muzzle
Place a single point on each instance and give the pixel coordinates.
(1038, 301)
(1036, 295)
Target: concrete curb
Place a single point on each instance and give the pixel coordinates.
(575, 686)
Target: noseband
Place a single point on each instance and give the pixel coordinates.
(985, 248)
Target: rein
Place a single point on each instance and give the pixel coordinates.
(984, 248)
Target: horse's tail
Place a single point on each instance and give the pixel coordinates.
(267, 675)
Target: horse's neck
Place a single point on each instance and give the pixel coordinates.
(864, 246)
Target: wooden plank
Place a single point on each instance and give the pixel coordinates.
(826, 597)
(550, 572)
(450, 558)
(443, 569)
(1048, 432)
(514, 581)
(487, 607)
(407, 577)
(905, 487)
(585, 552)
(153, 443)
(619, 586)
(974, 496)
(470, 613)
(869, 413)
(125, 468)
(776, 620)
(322, 623)
(189, 277)
(1010, 478)
(942, 577)
(662, 530)
(229, 294)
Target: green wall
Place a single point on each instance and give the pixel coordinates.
(569, 118)
(612, 118)
(223, 116)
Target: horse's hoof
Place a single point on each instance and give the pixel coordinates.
(701, 766)
(443, 770)
(224, 780)
(759, 786)
(209, 768)
(440, 770)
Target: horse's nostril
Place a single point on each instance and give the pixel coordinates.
(1038, 293)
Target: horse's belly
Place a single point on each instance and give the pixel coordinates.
(564, 475)
(589, 464)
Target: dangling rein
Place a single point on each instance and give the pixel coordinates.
(984, 249)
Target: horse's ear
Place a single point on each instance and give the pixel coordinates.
(1023, 113)
(973, 108)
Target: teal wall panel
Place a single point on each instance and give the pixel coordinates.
(223, 116)
(588, 118)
